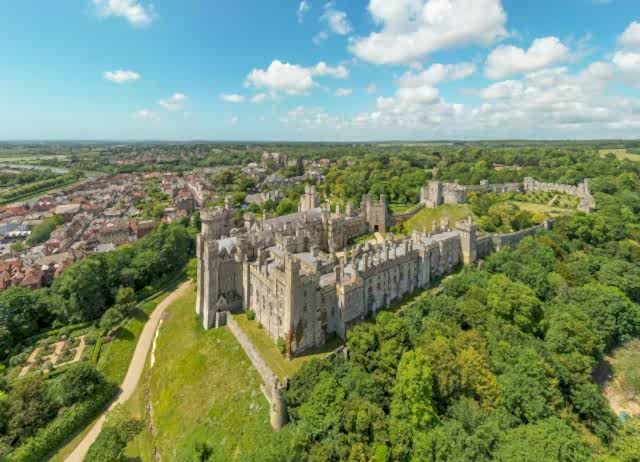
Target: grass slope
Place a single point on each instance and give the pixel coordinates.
(116, 355)
(621, 154)
(204, 390)
(281, 366)
(426, 217)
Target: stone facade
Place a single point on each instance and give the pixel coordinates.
(303, 282)
(436, 193)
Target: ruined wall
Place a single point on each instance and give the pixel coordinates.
(436, 193)
(273, 387)
(581, 191)
(399, 218)
(495, 242)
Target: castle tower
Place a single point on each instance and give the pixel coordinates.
(278, 409)
(468, 230)
(309, 200)
(375, 213)
(431, 194)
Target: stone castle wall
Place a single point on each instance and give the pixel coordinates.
(436, 193)
(272, 386)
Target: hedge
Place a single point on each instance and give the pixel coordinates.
(54, 435)
(95, 354)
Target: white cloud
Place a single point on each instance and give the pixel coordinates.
(343, 91)
(507, 60)
(233, 120)
(412, 29)
(629, 63)
(630, 38)
(291, 79)
(371, 89)
(437, 73)
(303, 8)
(320, 37)
(144, 114)
(258, 98)
(337, 21)
(232, 98)
(121, 76)
(174, 103)
(339, 72)
(550, 102)
(500, 90)
(132, 10)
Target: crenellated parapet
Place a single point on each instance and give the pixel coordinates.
(436, 193)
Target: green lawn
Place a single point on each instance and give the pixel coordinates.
(281, 366)
(426, 217)
(621, 154)
(551, 211)
(204, 390)
(116, 355)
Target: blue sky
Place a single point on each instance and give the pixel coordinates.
(320, 70)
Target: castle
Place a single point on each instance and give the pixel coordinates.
(436, 193)
(305, 284)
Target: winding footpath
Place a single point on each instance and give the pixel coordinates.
(136, 367)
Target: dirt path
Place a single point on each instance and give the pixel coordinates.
(133, 373)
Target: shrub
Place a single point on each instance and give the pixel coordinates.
(281, 345)
(19, 359)
(51, 437)
(251, 315)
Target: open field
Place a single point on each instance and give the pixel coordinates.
(622, 387)
(204, 390)
(427, 217)
(621, 154)
(551, 211)
(269, 351)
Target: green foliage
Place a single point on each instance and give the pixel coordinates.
(114, 437)
(40, 233)
(49, 438)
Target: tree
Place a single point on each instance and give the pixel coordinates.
(514, 302)
(29, 408)
(412, 392)
(79, 382)
(550, 440)
(111, 319)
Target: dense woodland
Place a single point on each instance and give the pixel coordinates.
(498, 365)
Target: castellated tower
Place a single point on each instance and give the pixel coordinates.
(309, 200)
(375, 213)
(216, 223)
(468, 240)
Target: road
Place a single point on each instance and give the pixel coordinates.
(136, 366)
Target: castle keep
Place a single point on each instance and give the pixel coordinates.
(303, 282)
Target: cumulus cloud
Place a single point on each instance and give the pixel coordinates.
(258, 98)
(232, 98)
(291, 79)
(507, 60)
(412, 29)
(630, 38)
(506, 89)
(133, 11)
(303, 8)
(174, 103)
(343, 91)
(337, 21)
(339, 72)
(437, 73)
(144, 114)
(547, 102)
(121, 76)
(320, 37)
(629, 63)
